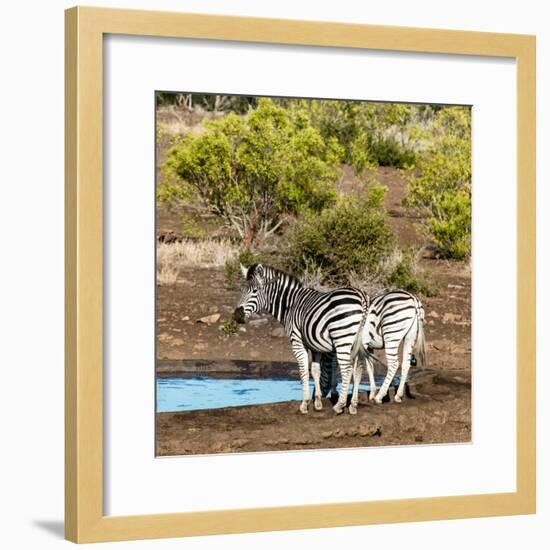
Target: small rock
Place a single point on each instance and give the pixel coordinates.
(283, 441)
(365, 431)
(326, 434)
(185, 318)
(433, 314)
(451, 318)
(278, 332)
(242, 329)
(436, 420)
(209, 319)
(258, 322)
(403, 420)
(303, 441)
(455, 286)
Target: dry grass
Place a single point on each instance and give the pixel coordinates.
(375, 283)
(173, 257)
(167, 274)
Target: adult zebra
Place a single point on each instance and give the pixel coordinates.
(393, 317)
(321, 322)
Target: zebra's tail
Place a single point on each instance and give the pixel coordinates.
(420, 339)
(358, 351)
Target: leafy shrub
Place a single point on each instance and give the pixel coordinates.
(441, 183)
(229, 327)
(387, 152)
(366, 131)
(405, 274)
(354, 235)
(253, 171)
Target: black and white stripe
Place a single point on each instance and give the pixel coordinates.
(393, 318)
(321, 322)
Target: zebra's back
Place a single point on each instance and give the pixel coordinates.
(389, 317)
(327, 320)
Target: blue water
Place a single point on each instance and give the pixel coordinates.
(203, 392)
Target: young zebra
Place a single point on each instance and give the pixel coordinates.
(393, 317)
(317, 321)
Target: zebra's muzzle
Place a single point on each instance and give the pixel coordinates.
(238, 315)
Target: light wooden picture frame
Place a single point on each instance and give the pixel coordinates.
(84, 469)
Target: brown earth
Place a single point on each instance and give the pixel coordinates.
(439, 414)
(438, 411)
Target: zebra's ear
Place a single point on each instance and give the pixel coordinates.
(259, 271)
(244, 270)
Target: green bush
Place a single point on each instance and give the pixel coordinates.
(229, 327)
(353, 236)
(441, 183)
(254, 171)
(388, 152)
(406, 275)
(366, 131)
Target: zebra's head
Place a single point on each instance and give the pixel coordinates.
(251, 297)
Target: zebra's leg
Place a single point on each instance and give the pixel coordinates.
(346, 368)
(301, 355)
(333, 378)
(406, 364)
(370, 371)
(316, 374)
(392, 357)
(357, 371)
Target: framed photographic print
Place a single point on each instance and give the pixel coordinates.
(295, 248)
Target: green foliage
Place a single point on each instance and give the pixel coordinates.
(451, 228)
(388, 152)
(406, 275)
(229, 327)
(352, 236)
(441, 185)
(366, 131)
(253, 171)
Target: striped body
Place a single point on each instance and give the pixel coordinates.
(321, 322)
(393, 318)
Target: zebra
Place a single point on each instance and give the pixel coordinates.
(329, 376)
(393, 317)
(313, 320)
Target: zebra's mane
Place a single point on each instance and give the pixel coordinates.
(271, 274)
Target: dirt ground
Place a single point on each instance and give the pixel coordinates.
(440, 412)
(437, 411)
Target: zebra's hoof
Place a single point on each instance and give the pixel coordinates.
(372, 396)
(318, 404)
(353, 409)
(397, 399)
(378, 400)
(338, 409)
(303, 407)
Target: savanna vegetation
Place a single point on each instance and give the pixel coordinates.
(260, 179)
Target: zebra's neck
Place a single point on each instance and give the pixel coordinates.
(281, 295)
